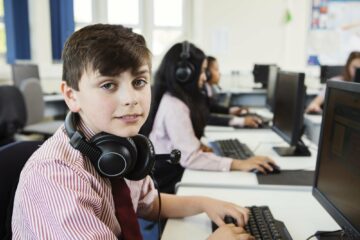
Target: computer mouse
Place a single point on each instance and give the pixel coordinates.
(227, 219)
(276, 170)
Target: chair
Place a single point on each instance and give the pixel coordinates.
(21, 71)
(12, 113)
(35, 108)
(12, 159)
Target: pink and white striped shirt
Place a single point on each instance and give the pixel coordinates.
(173, 129)
(61, 196)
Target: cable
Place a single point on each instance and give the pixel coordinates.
(159, 197)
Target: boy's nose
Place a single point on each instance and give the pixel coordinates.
(128, 97)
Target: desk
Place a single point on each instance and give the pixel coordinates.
(298, 209)
(261, 142)
(55, 106)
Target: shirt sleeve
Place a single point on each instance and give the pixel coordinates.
(58, 203)
(147, 196)
(181, 133)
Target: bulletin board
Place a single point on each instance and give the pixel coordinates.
(334, 31)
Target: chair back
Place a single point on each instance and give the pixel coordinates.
(12, 159)
(34, 102)
(12, 112)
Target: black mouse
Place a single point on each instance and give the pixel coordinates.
(227, 219)
(276, 170)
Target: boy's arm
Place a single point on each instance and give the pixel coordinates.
(173, 206)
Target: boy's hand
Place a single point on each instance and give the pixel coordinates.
(229, 232)
(216, 210)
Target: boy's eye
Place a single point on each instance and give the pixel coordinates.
(138, 83)
(108, 86)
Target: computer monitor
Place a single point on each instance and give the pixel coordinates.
(270, 94)
(329, 71)
(357, 75)
(24, 71)
(337, 175)
(289, 113)
(261, 74)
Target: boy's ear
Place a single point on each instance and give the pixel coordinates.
(70, 97)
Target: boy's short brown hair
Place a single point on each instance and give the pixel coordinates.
(109, 49)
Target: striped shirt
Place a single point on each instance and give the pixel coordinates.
(61, 196)
(172, 129)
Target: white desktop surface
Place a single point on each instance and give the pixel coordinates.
(261, 143)
(297, 208)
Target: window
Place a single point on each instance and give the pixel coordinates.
(152, 18)
(83, 13)
(2, 31)
(168, 25)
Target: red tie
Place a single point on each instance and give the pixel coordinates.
(124, 210)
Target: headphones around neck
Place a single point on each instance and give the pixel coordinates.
(184, 69)
(113, 156)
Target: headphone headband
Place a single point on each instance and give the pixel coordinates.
(184, 69)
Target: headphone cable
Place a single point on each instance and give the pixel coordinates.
(159, 197)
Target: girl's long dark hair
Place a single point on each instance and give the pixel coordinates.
(189, 92)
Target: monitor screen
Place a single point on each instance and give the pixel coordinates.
(261, 73)
(24, 71)
(357, 75)
(289, 111)
(337, 178)
(329, 71)
(270, 94)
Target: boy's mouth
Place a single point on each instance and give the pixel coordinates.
(130, 118)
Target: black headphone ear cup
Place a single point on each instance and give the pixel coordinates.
(118, 155)
(184, 71)
(146, 158)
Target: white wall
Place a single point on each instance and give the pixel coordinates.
(241, 32)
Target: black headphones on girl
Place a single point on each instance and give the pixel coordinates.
(113, 156)
(185, 69)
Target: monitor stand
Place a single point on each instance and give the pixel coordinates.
(295, 151)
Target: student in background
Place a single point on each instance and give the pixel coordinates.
(178, 118)
(352, 63)
(212, 88)
(62, 192)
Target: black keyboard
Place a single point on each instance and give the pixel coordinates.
(231, 148)
(262, 225)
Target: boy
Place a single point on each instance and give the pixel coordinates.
(106, 82)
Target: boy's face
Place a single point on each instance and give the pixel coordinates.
(118, 105)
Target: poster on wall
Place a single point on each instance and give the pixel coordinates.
(334, 31)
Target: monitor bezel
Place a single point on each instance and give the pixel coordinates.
(299, 110)
(270, 103)
(319, 196)
(324, 69)
(261, 65)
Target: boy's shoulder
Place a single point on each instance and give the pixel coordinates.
(55, 150)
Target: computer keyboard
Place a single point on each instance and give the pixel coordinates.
(232, 148)
(262, 225)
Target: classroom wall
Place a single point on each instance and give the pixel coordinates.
(241, 33)
(238, 32)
